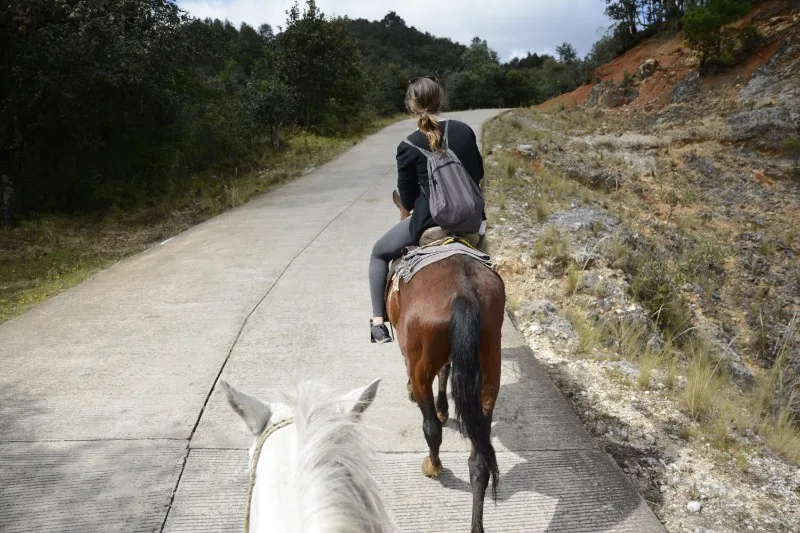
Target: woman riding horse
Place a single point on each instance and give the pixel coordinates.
(449, 316)
(424, 99)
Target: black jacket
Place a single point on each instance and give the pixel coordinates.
(412, 171)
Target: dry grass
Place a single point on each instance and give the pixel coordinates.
(706, 384)
(574, 278)
(775, 401)
(783, 436)
(671, 372)
(588, 336)
(542, 209)
(648, 362)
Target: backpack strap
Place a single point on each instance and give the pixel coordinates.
(425, 152)
(445, 144)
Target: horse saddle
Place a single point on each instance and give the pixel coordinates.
(430, 237)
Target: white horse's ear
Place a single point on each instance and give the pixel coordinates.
(253, 411)
(356, 401)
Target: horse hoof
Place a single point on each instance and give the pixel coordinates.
(430, 470)
(443, 417)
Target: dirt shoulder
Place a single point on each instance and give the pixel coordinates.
(628, 256)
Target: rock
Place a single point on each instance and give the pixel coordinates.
(687, 88)
(526, 149)
(609, 94)
(655, 343)
(761, 178)
(767, 127)
(771, 99)
(543, 313)
(694, 506)
(591, 176)
(579, 218)
(647, 69)
(536, 329)
(716, 489)
(537, 307)
(703, 165)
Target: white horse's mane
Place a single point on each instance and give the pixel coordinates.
(338, 493)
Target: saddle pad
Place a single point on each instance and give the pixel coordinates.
(419, 258)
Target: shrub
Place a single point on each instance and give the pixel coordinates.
(706, 32)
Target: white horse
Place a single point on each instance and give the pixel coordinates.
(309, 463)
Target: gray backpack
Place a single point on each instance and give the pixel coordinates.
(456, 201)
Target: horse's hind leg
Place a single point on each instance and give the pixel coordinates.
(479, 474)
(480, 469)
(431, 426)
(442, 408)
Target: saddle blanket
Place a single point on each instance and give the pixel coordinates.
(419, 258)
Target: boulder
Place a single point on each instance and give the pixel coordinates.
(647, 69)
(610, 95)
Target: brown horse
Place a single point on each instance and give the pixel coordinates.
(450, 315)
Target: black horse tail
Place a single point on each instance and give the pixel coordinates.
(467, 380)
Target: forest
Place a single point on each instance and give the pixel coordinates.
(105, 103)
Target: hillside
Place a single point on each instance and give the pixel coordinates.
(647, 225)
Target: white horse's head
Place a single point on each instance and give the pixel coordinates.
(309, 462)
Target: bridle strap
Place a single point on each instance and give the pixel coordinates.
(256, 454)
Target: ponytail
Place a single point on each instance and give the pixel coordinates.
(428, 125)
(425, 97)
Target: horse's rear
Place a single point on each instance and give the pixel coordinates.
(451, 314)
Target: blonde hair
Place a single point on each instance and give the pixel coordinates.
(424, 98)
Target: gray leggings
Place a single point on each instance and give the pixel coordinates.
(388, 248)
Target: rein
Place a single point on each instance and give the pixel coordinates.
(256, 454)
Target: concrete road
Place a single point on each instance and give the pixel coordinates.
(111, 418)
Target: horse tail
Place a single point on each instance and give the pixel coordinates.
(467, 380)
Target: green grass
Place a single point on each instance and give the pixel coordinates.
(43, 257)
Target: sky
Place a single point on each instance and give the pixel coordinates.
(511, 27)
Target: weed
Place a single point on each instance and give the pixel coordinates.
(705, 383)
(511, 168)
(552, 243)
(766, 249)
(629, 336)
(742, 463)
(620, 251)
(647, 363)
(541, 209)
(703, 263)
(783, 436)
(653, 284)
(574, 278)
(671, 372)
(588, 334)
(718, 429)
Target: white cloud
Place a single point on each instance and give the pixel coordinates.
(509, 26)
